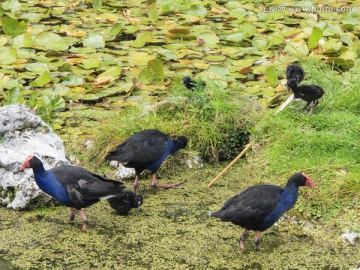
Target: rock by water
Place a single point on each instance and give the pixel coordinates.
(23, 133)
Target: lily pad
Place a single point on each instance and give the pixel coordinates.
(94, 40)
(51, 41)
(13, 27)
(7, 55)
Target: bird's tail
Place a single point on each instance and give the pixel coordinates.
(217, 214)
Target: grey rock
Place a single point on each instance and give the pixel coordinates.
(124, 173)
(194, 161)
(22, 133)
(351, 237)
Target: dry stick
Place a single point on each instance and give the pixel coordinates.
(248, 146)
(283, 106)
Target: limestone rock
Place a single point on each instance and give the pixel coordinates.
(22, 133)
(124, 173)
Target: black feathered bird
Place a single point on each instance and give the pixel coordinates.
(192, 84)
(125, 201)
(294, 72)
(259, 207)
(147, 149)
(73, 186)
(310, 93)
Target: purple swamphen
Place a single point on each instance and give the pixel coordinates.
(259, 207)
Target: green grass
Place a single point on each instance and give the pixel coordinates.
(216, 121)
(324, 145)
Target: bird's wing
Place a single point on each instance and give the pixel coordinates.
(82, 183)
(142, 147)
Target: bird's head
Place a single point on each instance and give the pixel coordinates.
(30, 162)
(301, 179)
(180, 142)
(186, 80)
(138, 201)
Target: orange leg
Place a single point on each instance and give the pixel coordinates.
(85, 220)
(136, 183)
(243, 237)
(258, 240)
(164, 186)
(72, 214)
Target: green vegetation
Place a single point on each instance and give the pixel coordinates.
(216, 119)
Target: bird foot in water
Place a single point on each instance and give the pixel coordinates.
(168, 186)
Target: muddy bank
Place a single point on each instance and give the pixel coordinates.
(172, 231)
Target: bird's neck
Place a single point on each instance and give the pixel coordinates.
(289, 196)
(287, 200)
(45, 180)
(172, 146)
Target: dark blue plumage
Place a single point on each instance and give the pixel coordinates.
(73, 186)
(147, 149)
(259, 207)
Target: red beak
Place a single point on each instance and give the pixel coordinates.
(26, 163)
(309, 182)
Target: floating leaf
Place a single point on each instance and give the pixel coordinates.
(297, 48)
(7, 55)
(94, 40)
(22, 41)
(141, 40)
(96, 4)
(51, 41)
(197, 10)
(42, 80)
(236, 37)
(157, 69)
(153, 13)
(12, 27)
(90, 64)
(244, 63)
(210, 39)
(271, 76)
(179, 31)
(315, 37)
(13, 5)
(113, 73)
(115, 31)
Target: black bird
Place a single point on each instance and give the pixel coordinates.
(73, 186)
(309, 93)
(147, 149)
(259, 207)
(294, 72)
(126, 200)
(191, 84)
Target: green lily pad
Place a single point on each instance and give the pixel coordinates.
(297, 48)
(90, 64)
(315, 37)
(12, 27)
(197, 10)
(21, 41)
(51, 41)
(94, 40)
(141, 40)
(211, 39)
(8, 55)
(42, 80)
(271, 76)
(12, 5)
